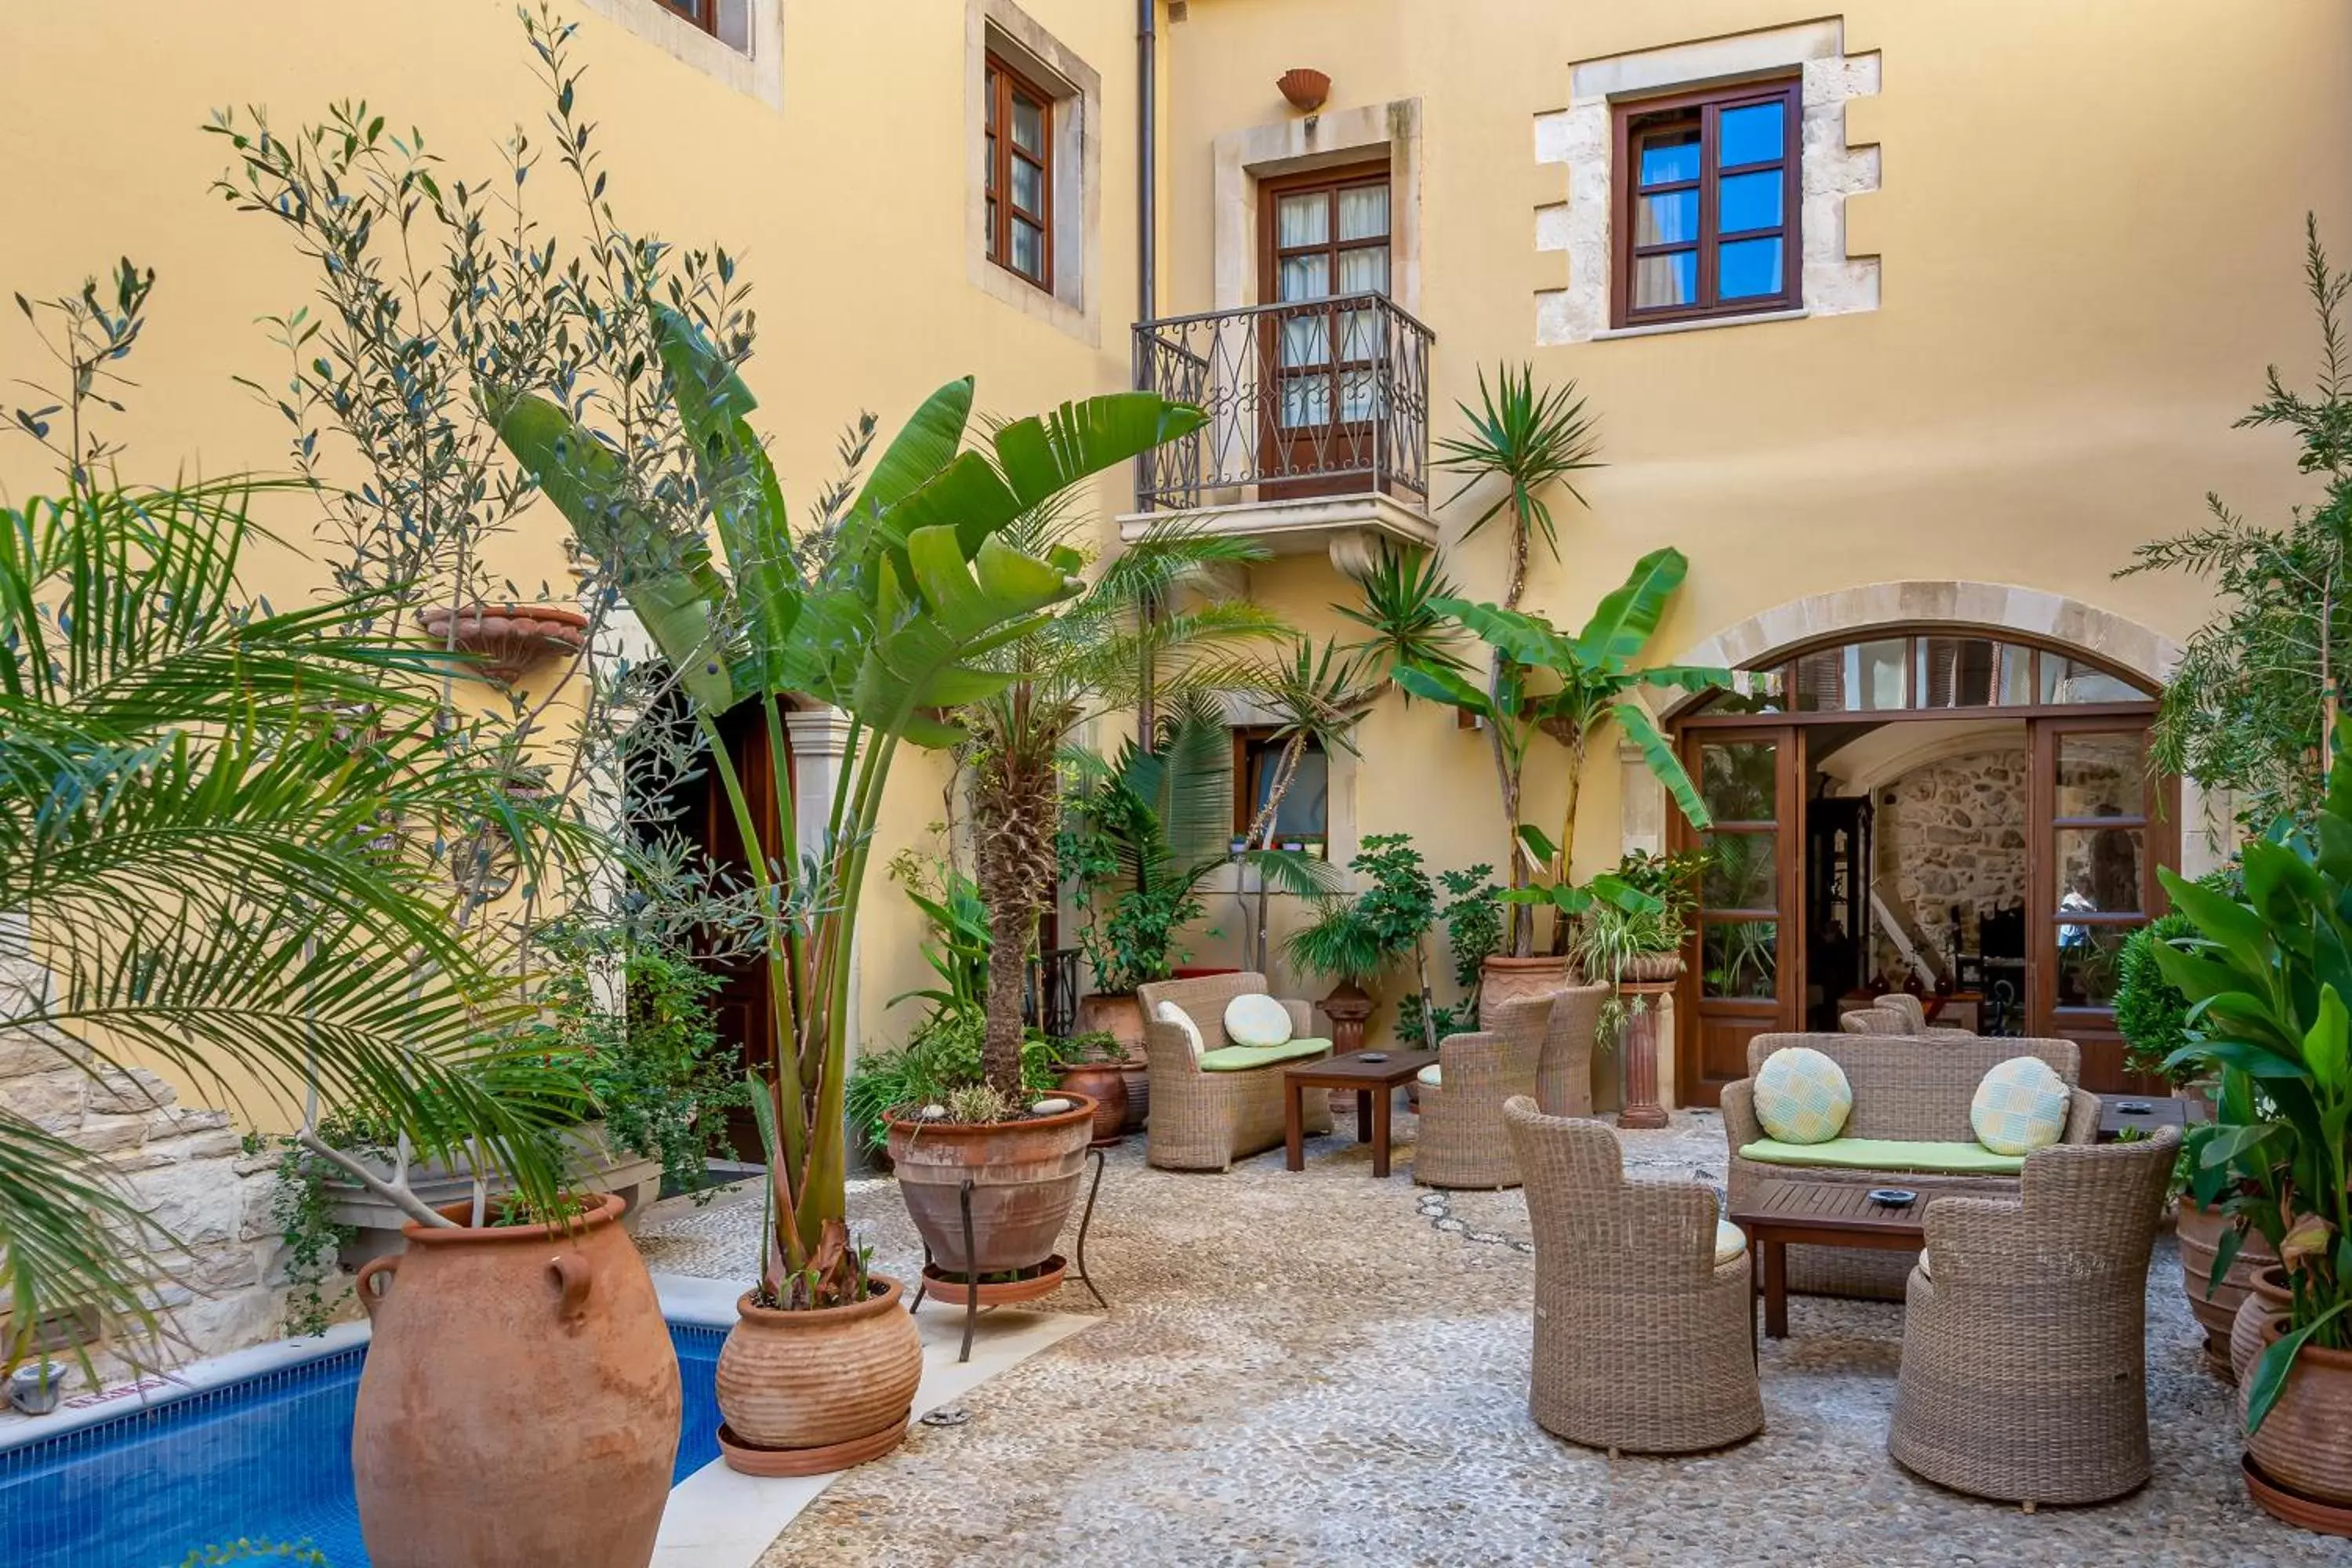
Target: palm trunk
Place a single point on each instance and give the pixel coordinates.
(1520, 934)
(1565, 869)
(1014, 798)
(1261, 836)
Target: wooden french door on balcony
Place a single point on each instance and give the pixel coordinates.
(1325, 236)
(1746, 971)
(2098, 823)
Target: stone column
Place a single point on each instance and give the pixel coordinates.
(819, 740)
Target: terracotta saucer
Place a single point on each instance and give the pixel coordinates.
(940, 1286)
(816, 1461)
(2302, 1512)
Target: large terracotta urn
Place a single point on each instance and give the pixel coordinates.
(2215, 1307)
(1023, 1176)
(519, 1402)
(2301, 1448)
(1504, 980)
(805, 1392)
(1106, 1085)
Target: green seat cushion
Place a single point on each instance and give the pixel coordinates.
(1886, 1154)
(1241, 1058)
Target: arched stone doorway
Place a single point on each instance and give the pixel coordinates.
(2039, 704)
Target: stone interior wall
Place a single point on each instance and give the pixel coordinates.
(185, 1167)
(1951, 832)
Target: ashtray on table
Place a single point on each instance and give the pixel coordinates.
(1893, 1197)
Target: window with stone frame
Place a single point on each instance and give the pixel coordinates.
(1707, 219)
(1020, 133)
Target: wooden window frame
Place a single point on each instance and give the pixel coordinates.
(1297, 473)
(1003, 82)
(1251, 742)
(702, 14)
(1709, 106)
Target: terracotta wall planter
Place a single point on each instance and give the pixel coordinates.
(519, 1402)
(2200, 1230)
(803, 1392)
(2302, 1446)
(508, 638)
(1023, 1175)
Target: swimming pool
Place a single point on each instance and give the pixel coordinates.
(267, 1458)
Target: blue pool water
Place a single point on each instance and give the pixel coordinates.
(269, 1458)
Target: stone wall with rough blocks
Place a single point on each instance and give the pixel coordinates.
(184, 1166)
(1952, 833)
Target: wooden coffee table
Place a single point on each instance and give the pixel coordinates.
(1375, 1084)
(1819, 1214)
(2146, 1112)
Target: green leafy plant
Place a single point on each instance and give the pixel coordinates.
(2266, 977)
(943, 1056)
(1088, 1048)
(1354, 939)
(1569, 687)
(956, 939)
(2151, 1012)
(1473, 919)
(2253, 704)
(1530, 440)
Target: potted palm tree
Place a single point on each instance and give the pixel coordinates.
(887, 613)
(1569, 687)
(989, 1175)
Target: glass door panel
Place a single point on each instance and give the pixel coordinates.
(1744, 978)
(2098, 825)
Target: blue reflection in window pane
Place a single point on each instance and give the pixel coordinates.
(1749, 135)
(1670, 219)
(1671, 157)
(1748, 201)
(1747, 268)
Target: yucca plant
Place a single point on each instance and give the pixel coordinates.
(1529, 439)
(891, 612)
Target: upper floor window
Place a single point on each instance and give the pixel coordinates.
(703, 13)
(1020, 174)
(1302, 820)
(1708, 221)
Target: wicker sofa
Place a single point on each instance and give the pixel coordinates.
(1905, 1090)
(2025, 1335)
(1462, 1143)
(1206, 1113)
(1643, 1313)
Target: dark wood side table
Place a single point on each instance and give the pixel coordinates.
(1820, 1213)
(2147, 1112)
(1374, 1083)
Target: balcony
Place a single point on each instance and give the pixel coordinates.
(1317, 437)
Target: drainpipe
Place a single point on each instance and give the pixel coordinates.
(1147, 270)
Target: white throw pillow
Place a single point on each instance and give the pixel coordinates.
(1801, 1096)
(1257, 1020)
(2021, 1105)
(1171, 1014)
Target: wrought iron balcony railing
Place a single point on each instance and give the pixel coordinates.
(1326, 397)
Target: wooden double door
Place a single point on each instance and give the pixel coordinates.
(2098, 823)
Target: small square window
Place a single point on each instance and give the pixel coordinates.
(1020, 133)
(1302, 821)
(1707, 215)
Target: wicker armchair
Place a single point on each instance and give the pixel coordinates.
(1207, 1120)
(1462, 1143)
(1908, 1008)
(2024, 1339)
(1873, 1021)
(1564, 1076)
(1642, 1341)
(1900, 1091)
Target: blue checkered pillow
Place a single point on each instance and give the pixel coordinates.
(2021, 1105)
(1801, 1096)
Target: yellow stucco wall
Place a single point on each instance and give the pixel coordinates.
(2091, 224)
(846, 206)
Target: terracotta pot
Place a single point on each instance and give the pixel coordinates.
(507, 638)
(1119, 1013)
(1103, 1083)
(2201, 1231)
(1347, 1006)
(1304, 89)
(1199, 971)
(1654, 968)
(2301, 1444)
(2266, 1293)
(1023, 1175)
(1509, 978)
(1136, 1077)
(803, 1392)
(520, 1400)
